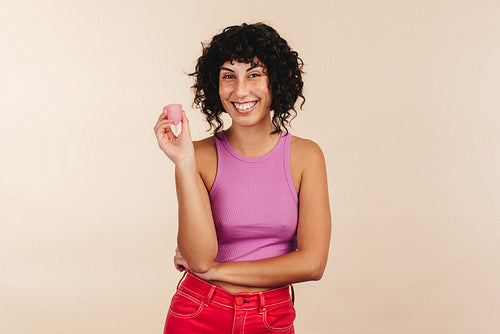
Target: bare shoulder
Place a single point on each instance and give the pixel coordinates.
(205, 147)
(306, 152)
(206, 160)
(306, 162)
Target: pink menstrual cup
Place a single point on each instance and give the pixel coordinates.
(174, 113)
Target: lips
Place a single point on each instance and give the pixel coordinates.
(244, 107)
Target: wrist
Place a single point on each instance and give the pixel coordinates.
(184, 156)
(186, 165)
(216, 270)
(214, 273)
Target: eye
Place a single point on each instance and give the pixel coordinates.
(227, 76)
(254, 75)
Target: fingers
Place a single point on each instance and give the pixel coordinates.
(184, 118)
(174, 141)
(162, 127)
(163, 114)
(179, 262)
(164, 123)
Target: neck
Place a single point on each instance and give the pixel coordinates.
(252, 142)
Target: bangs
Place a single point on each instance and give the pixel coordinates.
(254, 62)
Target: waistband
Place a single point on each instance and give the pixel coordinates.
(210, 293)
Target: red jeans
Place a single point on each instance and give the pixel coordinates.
(203, 308)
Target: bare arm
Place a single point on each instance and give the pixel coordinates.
(313, 236)
(196, 237)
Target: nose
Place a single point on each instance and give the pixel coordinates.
(242, 88)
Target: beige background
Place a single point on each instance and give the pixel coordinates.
(403, 97)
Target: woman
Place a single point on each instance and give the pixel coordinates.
(254, 214)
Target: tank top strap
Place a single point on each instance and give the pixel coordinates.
(287, 143)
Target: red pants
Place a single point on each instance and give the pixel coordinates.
(203, 308)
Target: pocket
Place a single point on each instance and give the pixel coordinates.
(279, 317)
(185, 306)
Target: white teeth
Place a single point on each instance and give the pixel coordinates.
(244, 106)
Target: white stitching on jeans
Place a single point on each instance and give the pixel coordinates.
(276, 329)
(243, 326)
(178, 315)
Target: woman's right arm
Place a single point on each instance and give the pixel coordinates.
(196, 237)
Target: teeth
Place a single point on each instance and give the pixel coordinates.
(244, 106)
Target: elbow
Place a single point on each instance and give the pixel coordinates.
(317, 276)
(200, 267)
(313, 266)
(316, 271)
(202, 264)
(199, 260)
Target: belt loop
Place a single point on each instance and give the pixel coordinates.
(293, 294)
(262, 304)
(209, 296)
(183, 275)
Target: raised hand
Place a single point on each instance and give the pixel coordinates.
(180, 148)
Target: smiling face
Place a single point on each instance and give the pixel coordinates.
(244, 92)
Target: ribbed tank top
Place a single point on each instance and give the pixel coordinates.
(254, 203)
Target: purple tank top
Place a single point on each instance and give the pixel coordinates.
(254, 203)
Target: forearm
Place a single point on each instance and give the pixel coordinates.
(277, 271)
(196, 238)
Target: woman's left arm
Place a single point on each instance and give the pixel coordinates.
(313, 233)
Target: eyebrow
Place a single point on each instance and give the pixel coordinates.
(226, 69)
(223, 68)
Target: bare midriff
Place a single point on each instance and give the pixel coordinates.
(233, 288)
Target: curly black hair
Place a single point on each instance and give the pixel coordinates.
(250, 43)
